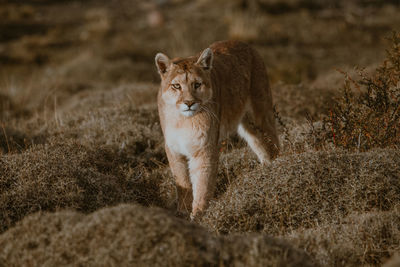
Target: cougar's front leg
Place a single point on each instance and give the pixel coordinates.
(203, 173)
(179, 168)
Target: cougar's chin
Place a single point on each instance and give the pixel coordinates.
(189, 113)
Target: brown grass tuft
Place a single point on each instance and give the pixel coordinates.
(132, 235)
(302, 191)
(299, 101)
(71, 175)
(361, 239)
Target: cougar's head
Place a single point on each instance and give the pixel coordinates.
(186, 83)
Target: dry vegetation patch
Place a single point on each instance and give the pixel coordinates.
(341, 207)
(361, 239)
(302, 191)
(68, 174)
(133, 235)
(125, 129)
(367, 114)
(299, 101)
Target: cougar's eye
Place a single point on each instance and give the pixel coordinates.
(176, 86)
(197, 85)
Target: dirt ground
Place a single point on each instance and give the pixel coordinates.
(81, 150)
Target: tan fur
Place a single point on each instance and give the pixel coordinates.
(234, 95)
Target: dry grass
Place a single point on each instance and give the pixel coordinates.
(128, 235)
(71, 175)
(303, 191)
(313, 196)
(361, 239)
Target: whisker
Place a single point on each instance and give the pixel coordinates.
(210, 113)
(213, 102)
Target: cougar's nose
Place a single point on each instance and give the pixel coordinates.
(189, 103)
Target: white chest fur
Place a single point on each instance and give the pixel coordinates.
(185, 141)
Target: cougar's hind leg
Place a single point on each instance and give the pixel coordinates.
(259, 123)
(254, 138)
(258, 129)
(263, 125)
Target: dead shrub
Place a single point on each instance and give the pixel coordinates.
(367, 114)
(131, 235)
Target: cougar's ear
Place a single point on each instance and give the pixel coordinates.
(162, 63)
(206, 58)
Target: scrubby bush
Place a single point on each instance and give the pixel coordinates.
(367, 114)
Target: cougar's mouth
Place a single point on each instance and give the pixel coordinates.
(189, 111)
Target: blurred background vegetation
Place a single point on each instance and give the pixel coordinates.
(115, 41)
(51, 50)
